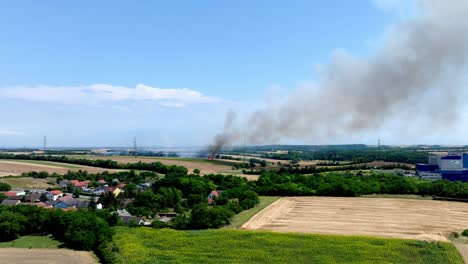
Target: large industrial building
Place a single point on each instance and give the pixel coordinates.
(452, 167)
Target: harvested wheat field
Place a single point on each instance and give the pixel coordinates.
(205, 166)
(16, 167)
(382, 217)
(44, 256)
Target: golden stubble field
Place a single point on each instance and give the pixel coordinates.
(381, 217)
(204, 167)
(13, 167)
(45, 256)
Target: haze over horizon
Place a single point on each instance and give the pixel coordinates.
(168, 73)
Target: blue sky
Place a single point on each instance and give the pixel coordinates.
(97, 73)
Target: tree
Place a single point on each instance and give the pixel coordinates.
(2, 197)
(76, 193)
(11, 225)
(4, 187)
(130, 190)
(108, 200)
(248, 199)
(92, 203)
(43, 198)
(196, 171)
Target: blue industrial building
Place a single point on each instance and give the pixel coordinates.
(452, 167)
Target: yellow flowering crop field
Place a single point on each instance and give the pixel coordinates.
(147, 245)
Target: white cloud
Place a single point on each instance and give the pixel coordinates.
(10, 133)
(99, 93)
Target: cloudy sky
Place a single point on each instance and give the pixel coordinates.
(98, 73)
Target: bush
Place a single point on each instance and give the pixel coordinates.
(465, 233)
(455, 235)
(4, 187)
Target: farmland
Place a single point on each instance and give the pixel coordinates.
(16, 167)
(383, 217)
(205, 166)
(45, 256)
(239, 219)
(29, 183)
(146, 245)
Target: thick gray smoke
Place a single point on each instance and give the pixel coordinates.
(423, 59)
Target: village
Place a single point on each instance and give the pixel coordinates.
(75, 194)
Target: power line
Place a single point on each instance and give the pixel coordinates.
(45, 144)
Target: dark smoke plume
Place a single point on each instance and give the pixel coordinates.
(417, 70)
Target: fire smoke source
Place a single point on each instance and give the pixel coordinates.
(420, 60)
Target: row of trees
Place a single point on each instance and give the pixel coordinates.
(338, 184)
(320, 169)
(355, 156)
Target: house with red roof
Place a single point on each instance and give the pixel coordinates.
(80, 184)
(54, 195)
(213, 195)
(102, 181)
(10, 194)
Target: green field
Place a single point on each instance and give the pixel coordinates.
(239, 219)
(147, 245)
(32, 242)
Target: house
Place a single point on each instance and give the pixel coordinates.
(127, 218)
(102, 181)
(80, 184)
(213, 195)
(10, 194)
(121, 185)
(144, 186)
(16, 198)
(8, 202)
(53, 195)
(114, 190)
(67, 202)
(64, 183)
(33, 197)
(99, 190)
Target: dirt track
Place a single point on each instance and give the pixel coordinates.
(44, 256)
(8, 167)
(383, 217)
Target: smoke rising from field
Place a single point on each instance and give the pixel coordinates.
(417, 69)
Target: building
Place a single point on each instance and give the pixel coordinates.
(452, 167)
(213, 195)
(53, 195)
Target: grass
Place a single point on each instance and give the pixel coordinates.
(32, 242)
(244, 216)
(28, 182)
(147, 245)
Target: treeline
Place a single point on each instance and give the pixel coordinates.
(354, 156)
(108, 164)
(81, 230)
(320, 169)
(130, 176)
(287, 184)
